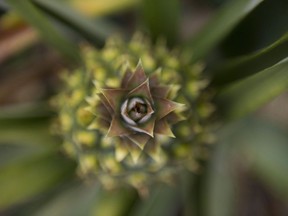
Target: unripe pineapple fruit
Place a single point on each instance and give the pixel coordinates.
(134, 113)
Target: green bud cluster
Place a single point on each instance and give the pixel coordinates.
(139, 131)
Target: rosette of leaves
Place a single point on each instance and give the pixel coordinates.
(135, 113)
(241, 84)
(118, 113)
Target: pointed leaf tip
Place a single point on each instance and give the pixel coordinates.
(142, 90)
(138, 76)
(117, 129)
(114, 96)
(154, 151)
(121, 152)
(134, 151)
(139, 139)
(163, 128)
(164, 107)
(147, 128)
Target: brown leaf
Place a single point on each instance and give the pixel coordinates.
(126, 77)
(164, 107)
(139, 139)
(154, 78)
(163, 128)
(161, 91)
(117, 128)
(138, 77)
(143, 90)
(99, 124)
(114, 97)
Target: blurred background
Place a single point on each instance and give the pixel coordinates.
(247, 170)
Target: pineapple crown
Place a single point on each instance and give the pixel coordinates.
(136, 112)
(116, 114)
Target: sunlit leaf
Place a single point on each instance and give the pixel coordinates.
(47, 31)
(100, 7)
(244, 66)
(219, 26)
(94, 31)
(114, 203)
(249, 94)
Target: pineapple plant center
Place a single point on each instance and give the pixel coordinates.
(134, 114)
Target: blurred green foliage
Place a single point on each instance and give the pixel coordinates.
(245, 45)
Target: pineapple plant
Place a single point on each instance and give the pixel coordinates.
(160, 122)
(120, 108)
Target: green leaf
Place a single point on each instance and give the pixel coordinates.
(27, 124)
(253, 147)
(243, 66)
(219, 27)
(87, 198)
(247, 95)
(25, 132)
(94, 31)
(218, 188)
(265, 148)
(21, 181)
(163, 200)
(162, 18)
(25, 111)
(47, 31)
(28, 132)
(114, 203)
(23, 137)
(76, 200)
(13, 152)
(21, 140)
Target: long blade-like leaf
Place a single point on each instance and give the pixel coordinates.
(219, 185)
(78, 199)
(248, 146)
(25, 111)
(114, 203)
(247, 95)
(219, 26)
(162, 18)
(27, 124)
(94, 31)
(164, 200)
(48, 32)
(25, 132)
(21, 181)
(24, 139)
(266, 149)
(244, 66)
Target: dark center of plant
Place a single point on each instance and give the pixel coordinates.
(136, 110)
